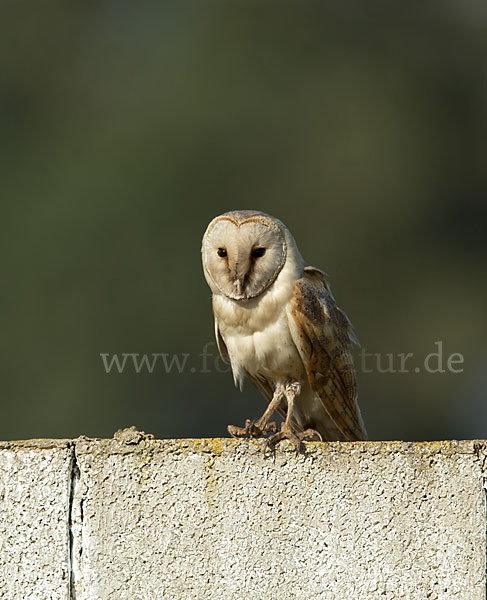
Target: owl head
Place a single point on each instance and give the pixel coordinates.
(243, 253)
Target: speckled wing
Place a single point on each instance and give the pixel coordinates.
(324, 336)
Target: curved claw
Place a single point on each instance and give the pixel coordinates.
(311, 435)
(235, 431)
(287, 433)
(249, 430)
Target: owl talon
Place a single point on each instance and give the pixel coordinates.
(286, 433)
(235, 431)
(311, 435)
(250, 430)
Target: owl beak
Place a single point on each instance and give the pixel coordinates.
(240, 275)
(238, 283)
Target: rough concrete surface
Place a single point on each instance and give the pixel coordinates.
(215, 519)
(34, 515)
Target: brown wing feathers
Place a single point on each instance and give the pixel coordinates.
(325, 338)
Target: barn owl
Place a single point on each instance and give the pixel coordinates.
(277, 323)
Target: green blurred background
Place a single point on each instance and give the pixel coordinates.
(126, 127)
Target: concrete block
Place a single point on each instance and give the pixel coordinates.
(35, 484)
(215, 519)
(136, 518)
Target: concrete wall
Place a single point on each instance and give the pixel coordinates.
(139, 519)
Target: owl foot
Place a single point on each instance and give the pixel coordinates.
(296, 438)
(311, 435)
(252, 429)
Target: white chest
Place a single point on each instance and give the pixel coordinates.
(258, 339)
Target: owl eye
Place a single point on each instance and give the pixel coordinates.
(221, 252)
(258, 252)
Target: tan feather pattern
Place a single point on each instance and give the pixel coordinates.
(324, 336)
